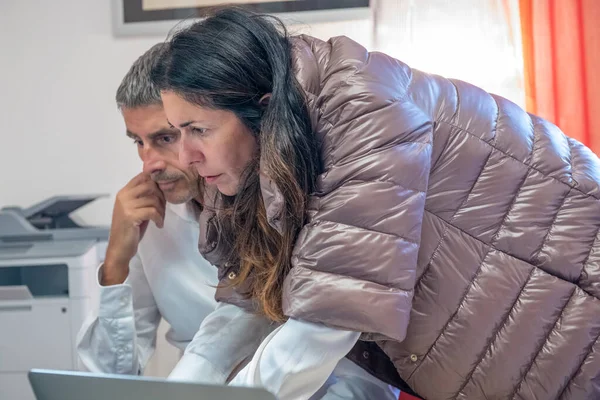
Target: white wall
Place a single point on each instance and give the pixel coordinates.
(61, 133)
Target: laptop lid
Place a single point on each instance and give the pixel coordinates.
(71, 385)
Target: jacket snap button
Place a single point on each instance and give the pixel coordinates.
(413, 358)
(365, 354)
(232, 275)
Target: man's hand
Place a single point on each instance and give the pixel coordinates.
(138, 203)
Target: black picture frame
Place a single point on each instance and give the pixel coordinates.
(130, 17)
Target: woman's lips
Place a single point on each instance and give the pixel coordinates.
(211, 178)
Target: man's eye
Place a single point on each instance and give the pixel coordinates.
(167, 139)
(199, 131)
(138, 142)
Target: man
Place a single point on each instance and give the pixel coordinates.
(153, 268)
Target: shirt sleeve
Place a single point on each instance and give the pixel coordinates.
(227, 337)
(296, 359)
(121, 337)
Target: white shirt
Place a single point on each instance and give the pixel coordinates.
(298, 360)
(169, 278)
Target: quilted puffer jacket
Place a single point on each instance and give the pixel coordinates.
(453, 209)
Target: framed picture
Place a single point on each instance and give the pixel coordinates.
(158, 17)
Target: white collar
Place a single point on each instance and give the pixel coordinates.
(188, 211)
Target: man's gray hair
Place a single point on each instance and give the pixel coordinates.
(137, 89)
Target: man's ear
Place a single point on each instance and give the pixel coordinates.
(264, 101)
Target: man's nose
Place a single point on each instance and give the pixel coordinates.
(153, 163)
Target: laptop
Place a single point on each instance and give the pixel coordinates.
(71, 385)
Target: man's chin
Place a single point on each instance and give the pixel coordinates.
(174, 197)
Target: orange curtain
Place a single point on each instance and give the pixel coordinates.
(561, 51)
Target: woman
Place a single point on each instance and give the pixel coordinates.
(347, 194)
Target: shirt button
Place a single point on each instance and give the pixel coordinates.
(414, 358)
(232, 275)
(124, 301)
(365, 354)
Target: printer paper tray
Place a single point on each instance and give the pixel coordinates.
(14, 293)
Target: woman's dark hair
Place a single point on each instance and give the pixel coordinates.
(229, 61)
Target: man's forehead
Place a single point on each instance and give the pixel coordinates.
(143, 121)
(154, 111)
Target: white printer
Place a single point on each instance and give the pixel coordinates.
(47, 288)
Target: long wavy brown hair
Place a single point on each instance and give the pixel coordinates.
(230, 61)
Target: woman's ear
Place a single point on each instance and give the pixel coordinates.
(264, 101)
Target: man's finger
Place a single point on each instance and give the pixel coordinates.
(149, 201)
(138, 179)
(143, 189)
(150, 214)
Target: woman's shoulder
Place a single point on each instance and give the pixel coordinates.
(322, 67)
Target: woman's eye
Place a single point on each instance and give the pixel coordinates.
(168, 139)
